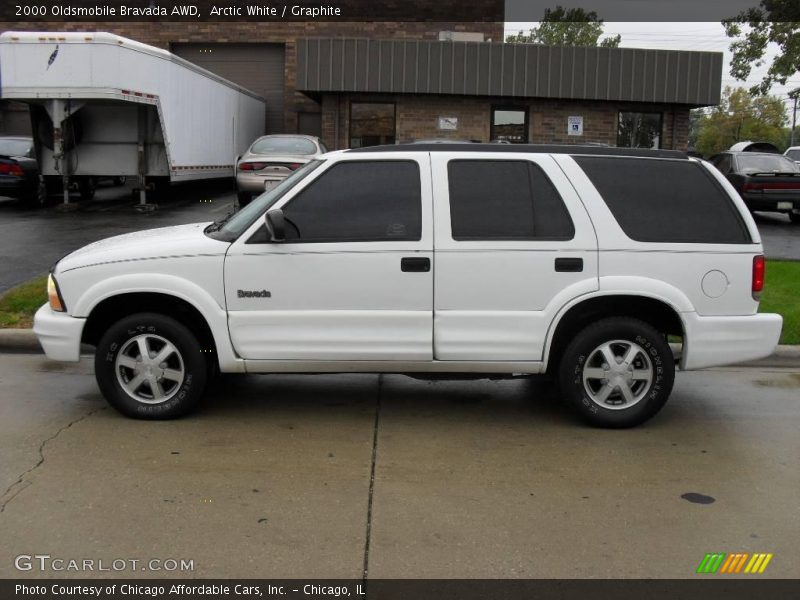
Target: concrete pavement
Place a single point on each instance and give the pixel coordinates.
(274, 478)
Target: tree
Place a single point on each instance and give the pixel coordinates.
(740, 116)
(773, 21)
(567, 27)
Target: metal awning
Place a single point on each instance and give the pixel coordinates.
(511, 70)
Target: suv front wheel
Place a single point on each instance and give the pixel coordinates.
(617, 372)
(149, 366)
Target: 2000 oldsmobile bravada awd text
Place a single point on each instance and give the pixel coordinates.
(483, 259)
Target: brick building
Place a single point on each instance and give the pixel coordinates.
(346, 83)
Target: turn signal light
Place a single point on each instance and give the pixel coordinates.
(54, 295)
(759, 272)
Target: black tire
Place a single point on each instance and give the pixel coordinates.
(86, 188)
(794, 218)
(244, 198)
(181, 396)
(584, 356)
(36, 196)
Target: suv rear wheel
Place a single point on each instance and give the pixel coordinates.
(149, 366)
(617, 372)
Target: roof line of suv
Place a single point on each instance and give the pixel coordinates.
(533, 148)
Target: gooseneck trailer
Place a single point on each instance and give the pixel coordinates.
(104, 105)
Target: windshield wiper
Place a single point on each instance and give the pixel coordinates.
(217, 225)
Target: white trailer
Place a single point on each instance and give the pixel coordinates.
(104, 105)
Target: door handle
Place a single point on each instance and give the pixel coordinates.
(415, 264)
(569, 265)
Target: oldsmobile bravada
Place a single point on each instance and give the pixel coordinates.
(475, 259)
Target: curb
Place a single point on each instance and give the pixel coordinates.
(23, 341)
(19, 341)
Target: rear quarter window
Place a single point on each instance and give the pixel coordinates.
(661, 200)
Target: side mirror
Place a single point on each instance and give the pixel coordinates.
(276, 225)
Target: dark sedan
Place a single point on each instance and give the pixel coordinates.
(765, 181)
(19, 171)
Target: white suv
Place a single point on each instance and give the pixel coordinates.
(469, 258)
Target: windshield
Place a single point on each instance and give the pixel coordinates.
(794, 154)
(766, 163)
(12, 147)
(235, 224)
(284, 145)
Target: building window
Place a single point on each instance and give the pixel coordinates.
(371, 124)
(509, 124)
(639, 130)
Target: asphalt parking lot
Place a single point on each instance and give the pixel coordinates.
(54, 233)
(32, 239)
(331, 476)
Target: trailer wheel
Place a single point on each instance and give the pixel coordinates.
(86, 188)
(36, 196)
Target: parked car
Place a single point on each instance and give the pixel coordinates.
(793, 153)
(19, 171)
(765, 181)
(461, 259)
(270, 160)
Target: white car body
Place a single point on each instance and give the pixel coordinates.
(484, 306)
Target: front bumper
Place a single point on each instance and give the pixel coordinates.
(59, 334)
(717, 341)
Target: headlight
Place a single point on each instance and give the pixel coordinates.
(54, 295)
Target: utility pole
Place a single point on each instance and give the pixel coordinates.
(794, 95)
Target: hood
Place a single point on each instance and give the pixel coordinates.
(150, 244)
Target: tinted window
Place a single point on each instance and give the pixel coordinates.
(505, 200)
(284, 145)
(665, 200)
(794, 154)
(765, 163)
(358, 202)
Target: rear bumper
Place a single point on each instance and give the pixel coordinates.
(760, 202)
(13, 186)
(59, 334)
(247, 182)
(717, 341)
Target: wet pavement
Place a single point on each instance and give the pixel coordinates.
(33, 239)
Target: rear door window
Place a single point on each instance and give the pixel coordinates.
(661, 200)
(505, 200)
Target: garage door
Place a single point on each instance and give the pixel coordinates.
(257, 67)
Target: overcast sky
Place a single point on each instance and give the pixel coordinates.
(687, 36)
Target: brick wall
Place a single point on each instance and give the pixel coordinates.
(417, 118)
(162, 34)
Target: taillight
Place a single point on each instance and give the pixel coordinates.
(753, 187)
(294, 166)
(759, 272)
(252, 166)
(12, 169)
